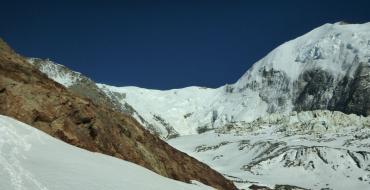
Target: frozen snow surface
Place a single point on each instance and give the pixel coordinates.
(188, 109)
(313, 150)
(32, 160)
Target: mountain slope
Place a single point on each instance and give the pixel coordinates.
(32, 160)
(31, 97)
(312, 149)
(76, 82)
(84, 86)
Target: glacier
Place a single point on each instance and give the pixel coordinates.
(310, 150)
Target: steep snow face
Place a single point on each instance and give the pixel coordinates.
(170, 112)
(30, 159)
(189, 110)
(313, 149)
(327, 68)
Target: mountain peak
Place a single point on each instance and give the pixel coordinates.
(331, 47)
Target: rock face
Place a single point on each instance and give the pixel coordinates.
(354, 97)
(31, 97)
(349, 95)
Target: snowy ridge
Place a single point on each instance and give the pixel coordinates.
(57, 72)
(314, 150)
(32, 160)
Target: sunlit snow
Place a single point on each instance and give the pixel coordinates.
(32, 160)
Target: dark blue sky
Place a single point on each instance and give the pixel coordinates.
(164, 44)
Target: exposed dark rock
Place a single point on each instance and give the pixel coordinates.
(359, 100)
(42, 116)
(259, 187)
(203, 129)
(172, 133)
(2, 89)
(203, 148)
(277, 187)
(317, 89)
(273, 82)
(288, 187)
(313, 85)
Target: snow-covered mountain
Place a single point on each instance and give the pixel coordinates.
(33, 160)
(272, 127)
(311, 150)
(327, 68)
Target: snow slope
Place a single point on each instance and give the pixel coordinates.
(169, 109)
(314, 150)
(30, 159)
(315, 71)
(189, 110)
